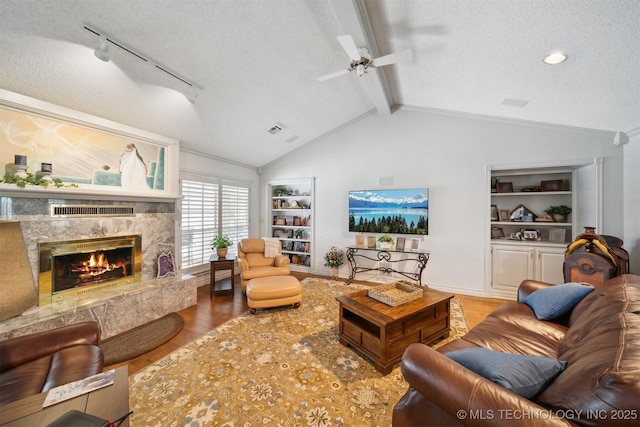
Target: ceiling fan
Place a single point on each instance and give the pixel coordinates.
(360, 60)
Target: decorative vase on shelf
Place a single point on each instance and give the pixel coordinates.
(334, 273)
(222, 252)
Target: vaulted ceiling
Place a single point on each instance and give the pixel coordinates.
(256, 62)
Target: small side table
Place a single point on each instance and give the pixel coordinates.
(219, 264)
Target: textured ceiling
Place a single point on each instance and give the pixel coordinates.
(257, 61)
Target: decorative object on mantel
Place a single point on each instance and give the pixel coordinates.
(30, 179)
(20, 166)
(46, 169)
(166, 265)
(334, 259)
(221, 244)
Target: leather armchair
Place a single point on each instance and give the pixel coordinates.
(253, 263)
(36, 363)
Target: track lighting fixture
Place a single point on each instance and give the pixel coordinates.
(102, 51)
(192, 91)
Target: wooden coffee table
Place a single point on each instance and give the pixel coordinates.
(382, 332)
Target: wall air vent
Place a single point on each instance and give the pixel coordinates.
(87, 211)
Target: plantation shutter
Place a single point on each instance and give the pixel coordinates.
(209, 209)
(200, 207)
(235, 214)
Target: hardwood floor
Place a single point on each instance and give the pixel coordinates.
(209, 313)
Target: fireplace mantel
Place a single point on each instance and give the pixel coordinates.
(85, 192)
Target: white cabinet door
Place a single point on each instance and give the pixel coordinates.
(510, 266)
(549, 262)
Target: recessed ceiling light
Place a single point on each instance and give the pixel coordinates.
(555, 58)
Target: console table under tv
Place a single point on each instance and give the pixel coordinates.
(386, 255)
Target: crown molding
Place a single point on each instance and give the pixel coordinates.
(487, 117)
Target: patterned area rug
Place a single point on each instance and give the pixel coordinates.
(279, 367)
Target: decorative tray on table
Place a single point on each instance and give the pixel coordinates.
(395, 293)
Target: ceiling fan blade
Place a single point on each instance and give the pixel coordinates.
(392, 58)
(333, 75)
(350, 47)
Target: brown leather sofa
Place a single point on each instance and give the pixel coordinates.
(36, 363)
(600, 340)
(254, 264)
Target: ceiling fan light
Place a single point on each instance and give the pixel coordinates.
(102, 51)
(555, 58)
(360, 69)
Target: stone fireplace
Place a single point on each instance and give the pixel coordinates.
(133, 299)
(81, 267)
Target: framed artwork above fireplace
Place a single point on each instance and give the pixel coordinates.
(91, 156)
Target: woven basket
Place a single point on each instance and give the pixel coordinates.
(395, 293)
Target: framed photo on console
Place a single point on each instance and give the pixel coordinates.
(415, 245)
(400, 241)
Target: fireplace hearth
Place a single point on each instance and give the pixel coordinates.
(80, 267)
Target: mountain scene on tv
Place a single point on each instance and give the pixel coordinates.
(403, 211)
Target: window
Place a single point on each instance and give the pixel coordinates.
(210, 208)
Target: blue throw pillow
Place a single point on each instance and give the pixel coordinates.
(522, 374)
(554, 301)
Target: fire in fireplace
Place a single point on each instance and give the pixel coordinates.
(80, 267)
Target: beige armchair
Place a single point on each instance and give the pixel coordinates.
(253, 263)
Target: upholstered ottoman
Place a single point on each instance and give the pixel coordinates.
(273, 291)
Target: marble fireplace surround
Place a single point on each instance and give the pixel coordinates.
(116, 309)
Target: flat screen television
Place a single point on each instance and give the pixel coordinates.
(400, 211)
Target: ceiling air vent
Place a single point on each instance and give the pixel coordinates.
(282, 133)
(275, 129)
(87, 211)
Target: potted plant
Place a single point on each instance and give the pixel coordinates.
(221, 244)
(334, 259)
(386, 241)
(558, 213)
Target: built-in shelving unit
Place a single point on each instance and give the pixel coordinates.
(526, 243)
(291, 219)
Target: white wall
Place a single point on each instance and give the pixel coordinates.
(632, 200)
(448, 154)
